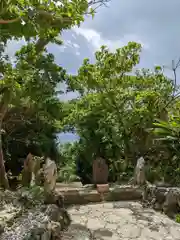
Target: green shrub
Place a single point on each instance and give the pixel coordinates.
(178, 218)
(67, 173)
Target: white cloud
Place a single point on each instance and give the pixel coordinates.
(13, 46)
(76, 48)
(69, 44)
(96, 40)
(74, 36)
(77, 53)
(62, 48)
(75, 45)
(66, 96)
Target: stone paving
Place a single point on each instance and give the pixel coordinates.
(119, 221)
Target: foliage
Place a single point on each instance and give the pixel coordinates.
(28, 84)
(67, 165)
(117, 107)
(178, 218)
(115, 115)
(31, 121)
(45, 19)
(32, 196)
(168, 134)
(67, 173)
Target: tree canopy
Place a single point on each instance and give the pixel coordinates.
(117, 108)
(30, 110)
(122, 112)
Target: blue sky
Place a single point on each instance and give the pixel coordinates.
(154, 24)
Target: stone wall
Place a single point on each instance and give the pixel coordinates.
(165, 199)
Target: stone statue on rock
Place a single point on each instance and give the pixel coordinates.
(27, 170)
(50, 175)
(34, 174)
(32, 165)
(139, 177)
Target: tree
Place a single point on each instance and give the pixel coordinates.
(34, 104)
(39, 23)
(117, 107)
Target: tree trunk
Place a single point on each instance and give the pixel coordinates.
(3, 176)
(3, 110)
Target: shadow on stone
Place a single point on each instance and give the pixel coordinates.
(101, 233)
(77, 232)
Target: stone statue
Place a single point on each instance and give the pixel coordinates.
(100, 171)
(27, 170)
(139, 173)
(32, 165)
(35, 171)
(50, 175)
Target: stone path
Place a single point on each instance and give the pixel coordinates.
(119, 221)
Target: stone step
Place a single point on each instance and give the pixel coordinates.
(88, 195)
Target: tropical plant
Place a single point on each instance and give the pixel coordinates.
(169, 134)
(167, 137)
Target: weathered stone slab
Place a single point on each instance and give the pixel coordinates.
(100, 171)
(84, 196)
(69, 185)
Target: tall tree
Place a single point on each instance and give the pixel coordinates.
(116, 106)
(39, 23)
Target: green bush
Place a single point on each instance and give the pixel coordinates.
(178, 218)
(67, 173)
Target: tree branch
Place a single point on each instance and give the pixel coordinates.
(2, 21)
(56, 18)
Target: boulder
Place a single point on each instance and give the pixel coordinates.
(54, 198)
(166, 199)
(171, 204)
(154, 196)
